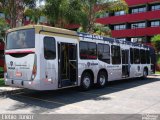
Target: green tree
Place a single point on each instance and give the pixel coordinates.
(100, 29)
(156, 42)
(62, 12)
(34, 14)
(14, 9)
(3, 27)
(93, 7)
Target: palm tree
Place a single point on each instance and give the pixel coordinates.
(94, 7)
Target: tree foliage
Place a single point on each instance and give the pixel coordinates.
(62, 12)
(34, 14)
(3, 27)
(94, 7)
(14, 9)
(83, 12)
(156, 42)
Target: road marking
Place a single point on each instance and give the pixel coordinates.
(56, 102)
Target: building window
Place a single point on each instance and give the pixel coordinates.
(120, 27)
(121, 39)
(88, 50)
(116, 54)
(138, 10)
(155, 23)
(155, 7)
(104, 53)
(49, 48)
(138, 25)
(138, 40)
(118, 13)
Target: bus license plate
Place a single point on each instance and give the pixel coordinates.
(18, 74)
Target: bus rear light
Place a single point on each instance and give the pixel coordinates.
(5, 68)
(34, 70)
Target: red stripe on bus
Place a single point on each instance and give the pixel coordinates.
(13, 52)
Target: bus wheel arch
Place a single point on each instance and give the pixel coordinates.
(145, 72)
(87, 80)
(102, 78)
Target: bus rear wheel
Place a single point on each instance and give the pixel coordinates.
(145, 73)
(102, 79)
(86, 81)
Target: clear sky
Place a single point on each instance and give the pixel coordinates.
(40, 2)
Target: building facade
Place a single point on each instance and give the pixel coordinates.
(139, 24)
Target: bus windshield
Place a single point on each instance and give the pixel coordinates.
(21, 39)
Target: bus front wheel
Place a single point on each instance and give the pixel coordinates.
(86, 81)
(102, 79)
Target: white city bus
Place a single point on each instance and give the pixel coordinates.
(47, 58)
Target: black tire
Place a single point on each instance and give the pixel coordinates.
(102, 79)
(145, 73)
(86, 81)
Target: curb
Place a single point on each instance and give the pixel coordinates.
(4, 93)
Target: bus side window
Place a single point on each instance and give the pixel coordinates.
(104, 53)
(131, 55)
(148, 56)
(116, 55)
(49, 48)
(88, 50)
(136, 56)
(143, 56)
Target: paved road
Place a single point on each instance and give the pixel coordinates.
(127, 96)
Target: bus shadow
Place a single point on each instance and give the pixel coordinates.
(43, 101)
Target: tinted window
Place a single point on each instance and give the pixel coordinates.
(155, 7)
(143, 56)
(131, 55)
(104, 53)
(136, 56)
(49, 48)
(124, 56)
(119, 27)
(148, 56)
(116, 56)
(88, 50)
(21, 39)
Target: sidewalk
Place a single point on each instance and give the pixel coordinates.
(6, 90)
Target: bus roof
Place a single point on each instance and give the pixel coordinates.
(39, 28)
(43, 28)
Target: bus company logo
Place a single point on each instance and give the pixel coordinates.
(88, 64)
(11, 64)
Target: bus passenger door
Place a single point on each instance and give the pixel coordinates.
(67, 64)
(125, 64)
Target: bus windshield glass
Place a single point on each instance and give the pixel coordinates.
(21, 39)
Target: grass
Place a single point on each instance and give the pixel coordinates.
(1, 82)
(157, 72)
(158, 58)
(1, 69)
